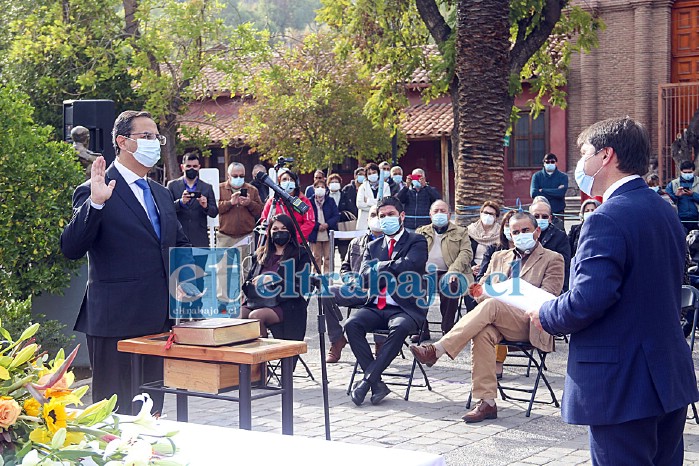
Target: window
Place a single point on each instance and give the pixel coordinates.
(529, 140)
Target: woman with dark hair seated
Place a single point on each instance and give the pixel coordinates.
(287, 307)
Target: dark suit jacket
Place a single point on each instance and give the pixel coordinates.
(127, 285)
(409, 255)
(192, 216)
(330, 213)
(628, 358)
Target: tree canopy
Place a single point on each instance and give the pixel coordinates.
(309, 104)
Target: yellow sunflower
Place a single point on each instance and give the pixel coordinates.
(55, 415)
(32, 407)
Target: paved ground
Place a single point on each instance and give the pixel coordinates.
(431, 420)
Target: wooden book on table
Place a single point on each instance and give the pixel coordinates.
(216, 332)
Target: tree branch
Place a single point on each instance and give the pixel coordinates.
(526, 47)
(438, 27)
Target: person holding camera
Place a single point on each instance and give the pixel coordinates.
(269, 297)
(239, 208)
(289, 182)
(194, 200)
(684, 192)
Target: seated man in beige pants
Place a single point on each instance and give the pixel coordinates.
(492, 321)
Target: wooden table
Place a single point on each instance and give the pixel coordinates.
(245, 355)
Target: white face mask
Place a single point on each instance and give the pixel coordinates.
(584, 180)
(374, 224)
(586, 215)
(487, 219)
(320, 192)
(147, 152)
(524, 241)
(334, 187)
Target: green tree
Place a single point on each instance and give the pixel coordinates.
(485, 51)
(35, 203)
(172, 45)
(58, 50)
(309, 105)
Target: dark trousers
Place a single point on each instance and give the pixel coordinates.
(447, 308)
(343, 297)
(342, 247)
(369, 318)
(642, 442)
(111, 373)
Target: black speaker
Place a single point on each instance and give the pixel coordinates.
(95, 115)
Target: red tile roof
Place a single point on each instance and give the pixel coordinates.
(423, 121)
(428, 121)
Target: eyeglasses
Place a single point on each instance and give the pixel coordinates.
(150, 136)
(541, 216)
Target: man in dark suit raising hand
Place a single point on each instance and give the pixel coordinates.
(388, 262)
(126, 224)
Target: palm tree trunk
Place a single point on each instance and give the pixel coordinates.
(483, 68)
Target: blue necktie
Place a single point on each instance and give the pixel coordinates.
(150, 205)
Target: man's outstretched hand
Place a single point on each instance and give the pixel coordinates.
(99, 190)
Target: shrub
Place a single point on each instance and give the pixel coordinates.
(39, 176)
(15, 316)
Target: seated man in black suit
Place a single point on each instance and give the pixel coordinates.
(388, 262)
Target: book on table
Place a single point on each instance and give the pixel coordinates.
(216, 332)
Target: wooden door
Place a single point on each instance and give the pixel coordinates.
(685, 41)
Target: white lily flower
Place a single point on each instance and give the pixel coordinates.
(140, 453)
(144, 417)
(31, 458)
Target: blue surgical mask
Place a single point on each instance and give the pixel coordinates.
(685, 176)
(524, 241)
(385, 174)
(440, 219)
(237, 182)
(549, 167)
(506, 232)
(374, 177)
(288, 186)
(147, 152)
(584, 180)
(361, 179)
(543, 223)
(390, 225)
(655, 188)
(397, 178)
(416, 184)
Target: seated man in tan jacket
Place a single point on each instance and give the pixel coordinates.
(491, 320)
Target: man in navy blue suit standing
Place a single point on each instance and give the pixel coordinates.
(126, 224)
(630, 374)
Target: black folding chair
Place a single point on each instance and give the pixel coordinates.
(399, 375)
(536, 358)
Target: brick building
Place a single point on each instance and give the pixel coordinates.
(648, 48)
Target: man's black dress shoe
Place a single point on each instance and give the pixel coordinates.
(378, 392)
(359, 391)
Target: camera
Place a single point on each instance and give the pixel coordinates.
(281, 161)
(195, 194)
(244, 192)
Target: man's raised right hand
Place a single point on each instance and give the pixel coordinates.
(99, 190)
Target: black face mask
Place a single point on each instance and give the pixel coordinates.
(281, 238)
(191, 173)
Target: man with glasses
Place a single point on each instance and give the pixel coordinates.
(551, 183)
(239, 208)
(491, 320)
(551, 238)
(126, 224)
